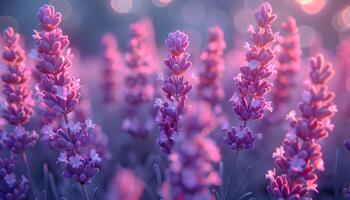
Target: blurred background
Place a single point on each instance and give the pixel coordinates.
(323, 24)
(86, 21)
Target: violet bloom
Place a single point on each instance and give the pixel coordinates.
(176, 90)
(139, 88)
(289, 61)
(252, 81)
(191, 173)
(210, 87)
(125, 185)
(112, 61)
(60, 91)
(300, 156)
(16, 77)
(20, 105)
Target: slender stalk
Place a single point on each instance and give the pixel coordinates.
(84, 192)
(233, 166)
(336, 173)
(249, 169)
(27, 171)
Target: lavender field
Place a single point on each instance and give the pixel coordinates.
(175, 99)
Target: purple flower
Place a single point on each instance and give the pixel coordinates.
(15, 188)
(300, 156)
(21, 140)
(289, 61)
(139, 87)
(252, 82)
(346, 192)
(16, 90)
(176, 90)
(60, 91)
(210, 87)
(191, 170)
(57, 87)
(112, 60)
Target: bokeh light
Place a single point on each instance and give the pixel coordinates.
(307, 35)
(312, 6)
(64, 7)
(161, 3)
(121, 6)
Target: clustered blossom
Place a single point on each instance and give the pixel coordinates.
(191, 171)
(20, 105)
(12, 187)
(112, 61)
(289, 61)
(57, 87)
(176, 90)
(210, 87)
(139, 88)
(252, 81)
(60, 91)
(125, 185)
(300, 156)
(77, 146)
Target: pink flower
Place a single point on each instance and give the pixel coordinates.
(300, 156)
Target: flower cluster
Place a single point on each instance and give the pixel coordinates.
(139, 88)
(191, 173)
(112, 61)
(300, 156)
(16, 89)
(252, 81)
(60, 91)
(57, 87)
(210, 88)
(289, 61)
(18, 95)
(78, 154)
(125, 185)
(12, 186)
(176, 90)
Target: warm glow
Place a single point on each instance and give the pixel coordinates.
(161, 3)
(121, 6)
(345, 16)
(313, 6)
(242, 19)
(304, 2)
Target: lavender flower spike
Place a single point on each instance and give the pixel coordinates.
(176, 90)
(61, 92)
(210, 87)
(300, 156)
(289, 61)
(57, 87)
(18, 96)
(252, 81)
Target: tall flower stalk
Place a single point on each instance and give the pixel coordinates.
(210, 86)
(300, 156)
(139, 88)
(18, 109)
(176, 90)
(60, 91)
(289, 61)
(252, 82)
(112, 61)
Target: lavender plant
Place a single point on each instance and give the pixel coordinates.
(17, 111)
(176, 90)
(300, 156)
(60, 91)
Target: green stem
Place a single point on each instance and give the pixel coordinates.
(233, 166)
(27, 171)
(84, 192)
